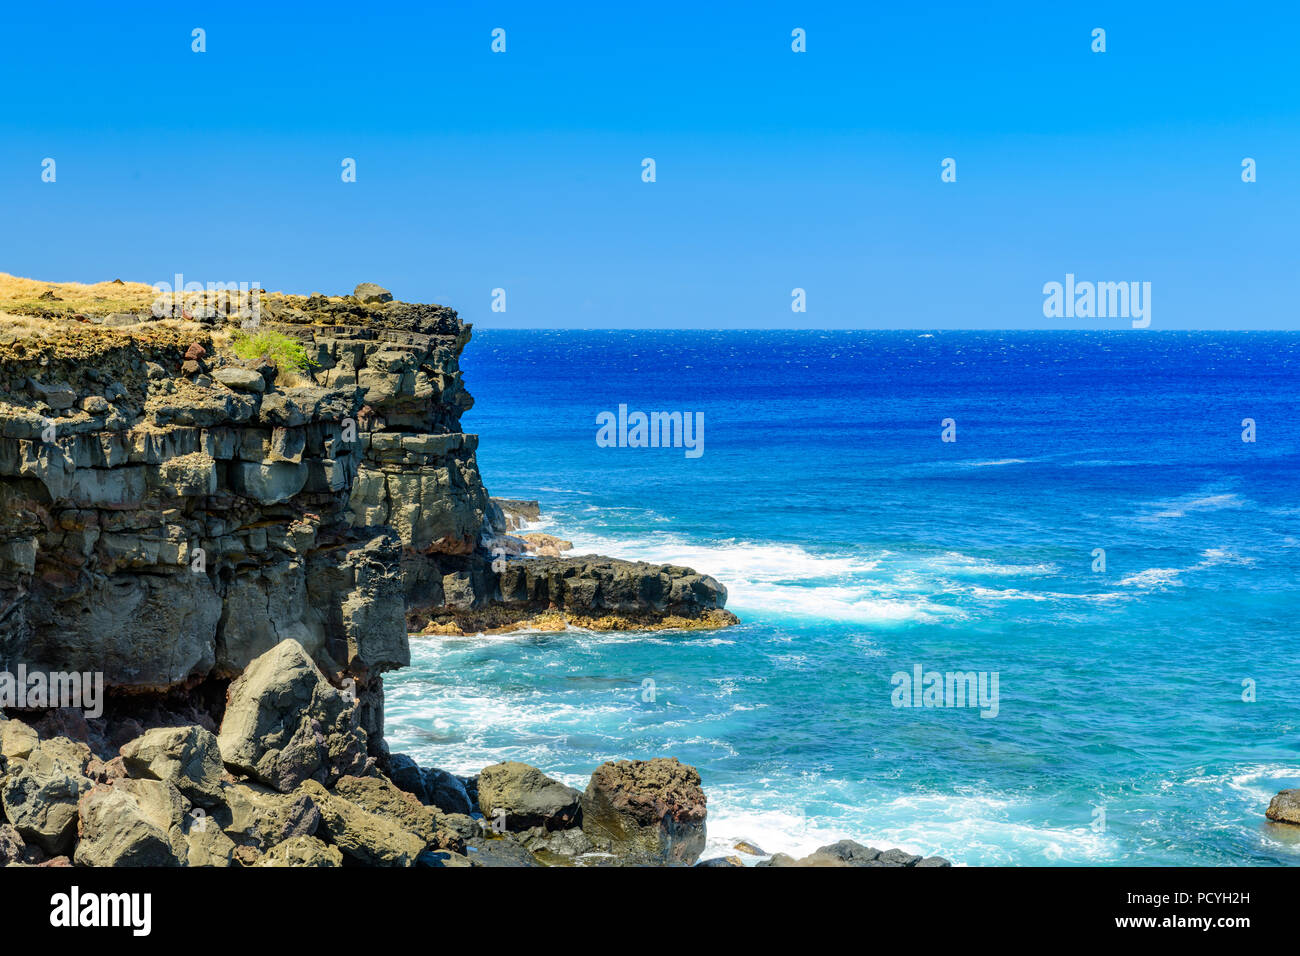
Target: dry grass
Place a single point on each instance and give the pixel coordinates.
(101, 298)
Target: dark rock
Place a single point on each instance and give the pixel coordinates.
(448, 792)
(527, 796)
(646, 809)
(285, 724)
(483, 851)
(371, 294)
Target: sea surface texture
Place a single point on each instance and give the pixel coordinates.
(1145, 712)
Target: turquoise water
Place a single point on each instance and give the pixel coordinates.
(856, 545)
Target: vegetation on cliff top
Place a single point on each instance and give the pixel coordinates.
(286, 352)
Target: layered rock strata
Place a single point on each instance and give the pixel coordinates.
(169, 512)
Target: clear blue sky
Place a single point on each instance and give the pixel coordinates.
(775, 170)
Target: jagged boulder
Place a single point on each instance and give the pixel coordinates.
(364, 837)
(186, 757)
(17, 739)
(527, 796)
(649, 811)
(285, 723)
(371, 294)
(259, 817)
(40, 797)
(205, 843)
(379, 796)
(1285, 807)
(132, 823)
(302, 851)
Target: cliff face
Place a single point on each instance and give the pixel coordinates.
(169, 513)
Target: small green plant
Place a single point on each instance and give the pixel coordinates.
(285, 351)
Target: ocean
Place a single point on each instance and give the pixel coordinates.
(1145, 712)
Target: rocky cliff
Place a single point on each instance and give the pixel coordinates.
(169, 512)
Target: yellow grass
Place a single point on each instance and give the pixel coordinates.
(101, 298)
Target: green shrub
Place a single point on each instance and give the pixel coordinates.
(285, 351)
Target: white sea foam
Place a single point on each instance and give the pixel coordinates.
(784, 579)
(1181, 507)
(1171, 577)
(965, 827)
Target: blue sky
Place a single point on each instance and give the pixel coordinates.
(775, 170)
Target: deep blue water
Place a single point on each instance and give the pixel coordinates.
(856, 544)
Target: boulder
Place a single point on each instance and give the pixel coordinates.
(40, 797)
(240, 379)
(1285, 807)
(649, 811)
(302, 851)
(260, 817)
(205, 843)
(16, 739)
(57, 395)
(285, 724)
(378, 796)
(361, 836)
(369, 293)
(448, 792)
(186, 757)
(407, 775)
(528, 797)
(132, 823)
(269, 483)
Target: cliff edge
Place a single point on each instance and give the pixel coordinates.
(170, 510)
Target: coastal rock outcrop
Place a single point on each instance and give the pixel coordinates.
(647, 810)
(170, 511)
(1285, 807)
(237, 546)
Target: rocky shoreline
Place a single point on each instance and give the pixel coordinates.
(236, 548)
